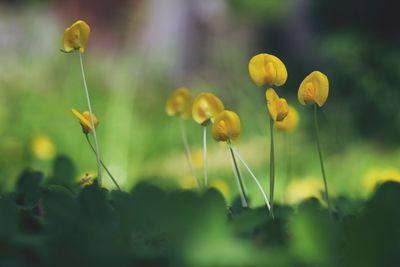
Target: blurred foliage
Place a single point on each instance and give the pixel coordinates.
(260, 10)
(361, 42)
(350, 41)
(48, 225)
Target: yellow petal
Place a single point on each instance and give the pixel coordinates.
(205, 107)
(290, 122)
(314, 89)
(84, 120)
(282, 109)
(267, 69)
(76, 36)
(226, 126)
(277, 107)
(271, 95)
(221, 186)
(42, 147)
(86, 114)
(180, 102)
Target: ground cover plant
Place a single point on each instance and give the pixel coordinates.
(202, 176)
(66, 225)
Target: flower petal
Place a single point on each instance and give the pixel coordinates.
(180, 102)
(76, 36)
(267, 69)
(290, 122)
(226, 126)
(314, 89)
(205, 107)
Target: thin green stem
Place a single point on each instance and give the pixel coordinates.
(102, 163)
(253, 176)
(96, 144)
(239, 179)
(272, 167)
(187, 151)
(316, 128)
(205, 155)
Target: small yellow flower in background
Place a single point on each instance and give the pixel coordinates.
(278, 107)
(84, 120)
(197, 158)
(375, 177)
(86, 179)
(188, 183)
(205, 107)
(76, 36)
(180, 103)
(301, 189)
(290, 122)
(42, 147)
(314, 89)
(221, 186)
(267, 69)
(226, 126)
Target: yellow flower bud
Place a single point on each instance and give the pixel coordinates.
(290, 122)
(205, 107)
(226, 126)
(278, 107)
(314, 89)
(76, 36)
(180, 102)
(267, 69)
(84, 120)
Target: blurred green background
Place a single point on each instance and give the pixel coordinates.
(140, 51)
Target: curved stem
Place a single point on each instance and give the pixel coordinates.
(272, 167)
(96, 144)
(316, 128)
(239, 179)
(102, 163)
(187, 151)
(205, 155)
(253, 176)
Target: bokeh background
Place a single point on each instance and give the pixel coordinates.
(141, 50)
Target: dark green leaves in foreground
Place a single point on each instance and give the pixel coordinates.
(56, 226)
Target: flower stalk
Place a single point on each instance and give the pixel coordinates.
(253, 176)
(272, 167)
(187, 151)
(243, 196)
(96, 144)
(205, 155)
(102, 163)
(316, 129)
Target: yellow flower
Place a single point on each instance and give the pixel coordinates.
(187, 182)
(301, 189)
(314, 89)
(226, 126)
(180, 102)
(86, 179)
(267, 69)
(375, 177)
(278, 107)
(290, 122)
(76, 36)
(84, 120)
(42, 147)
(205, 107)
(221, 186)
